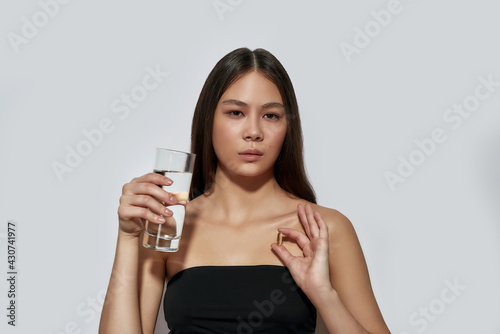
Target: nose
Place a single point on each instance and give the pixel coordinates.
(253, 131)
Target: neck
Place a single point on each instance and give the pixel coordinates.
(239, 198)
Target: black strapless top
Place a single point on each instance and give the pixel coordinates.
(237, 299)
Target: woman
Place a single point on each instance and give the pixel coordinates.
(230, 275)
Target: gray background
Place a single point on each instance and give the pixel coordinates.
(361, 114)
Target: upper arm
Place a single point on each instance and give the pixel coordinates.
(349, 274)
(151, 280)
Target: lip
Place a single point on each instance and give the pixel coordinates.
(252, 151)
(251, 155)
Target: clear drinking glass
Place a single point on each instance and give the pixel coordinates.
(177, 166)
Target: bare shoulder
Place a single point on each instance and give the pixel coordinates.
(330, 215)
(339, 226)
(347, 261)
(349, 273)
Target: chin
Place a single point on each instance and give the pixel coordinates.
(247, 169)
(253, 172)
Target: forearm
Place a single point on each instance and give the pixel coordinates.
(335, 315)
(120, 313)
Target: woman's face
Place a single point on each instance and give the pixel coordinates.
(249, 126)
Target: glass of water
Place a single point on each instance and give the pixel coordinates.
(177, 166)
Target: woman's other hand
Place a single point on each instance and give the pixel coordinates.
(311, 271)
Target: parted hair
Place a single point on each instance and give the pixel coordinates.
(289, 168)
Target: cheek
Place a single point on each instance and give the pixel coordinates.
(278, 137)
(275, 145)
(216, 134)
(218, 141)
(222, 137)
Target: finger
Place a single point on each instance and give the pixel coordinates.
(311, 220)
(155, 178)
(146, 202)
(170, 221)
(283, 254)
(150, 178)
(149, 189)
(303, 219)
(128, 212)
(323, 228)
(300, 238)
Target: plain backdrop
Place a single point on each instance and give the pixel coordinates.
(400, 107)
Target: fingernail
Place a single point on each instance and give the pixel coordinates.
(168, 212)
(173, 200)
(168, 181)
(161, 219)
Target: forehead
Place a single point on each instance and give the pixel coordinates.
(253, 86)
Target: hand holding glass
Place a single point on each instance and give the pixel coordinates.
(177, 166)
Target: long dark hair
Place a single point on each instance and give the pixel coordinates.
(289, 167)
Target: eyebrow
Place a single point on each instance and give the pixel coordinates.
(239, 103)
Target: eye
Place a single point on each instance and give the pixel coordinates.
(235, 113)
(272, 116)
